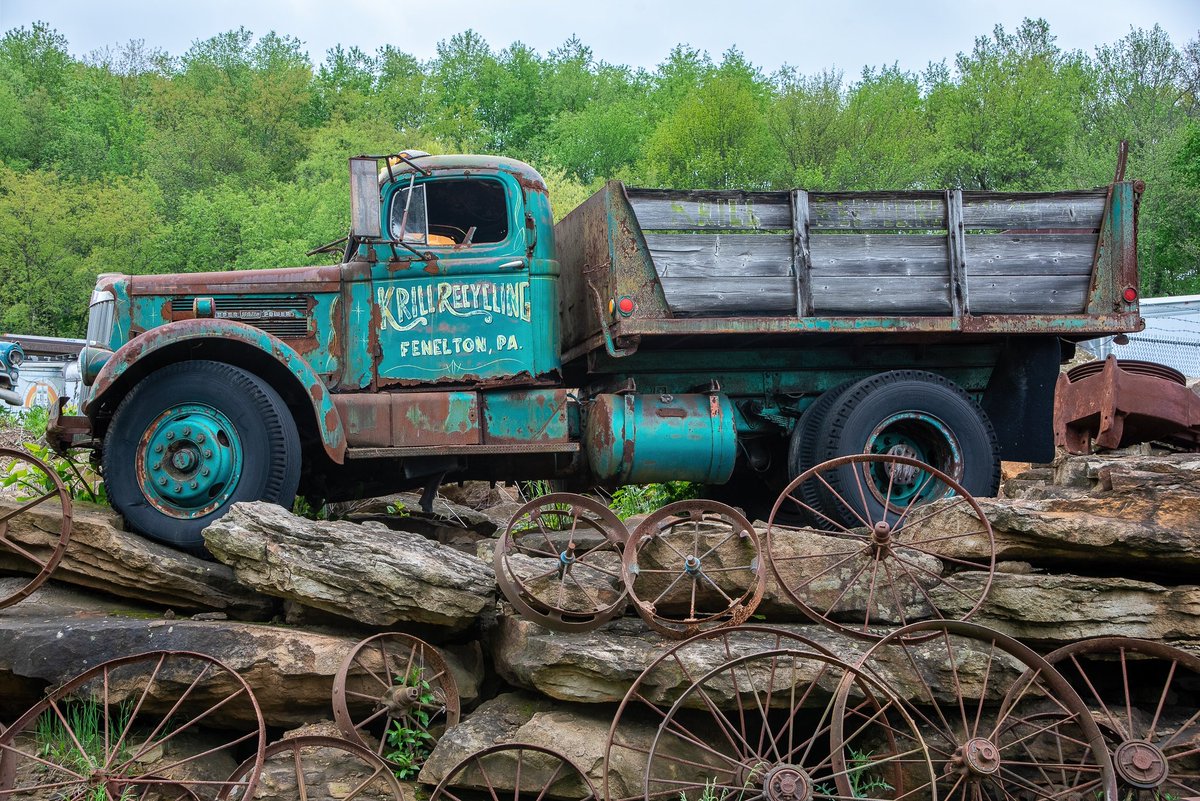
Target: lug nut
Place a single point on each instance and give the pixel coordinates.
(204, 471)
(193, 485)
(187, 432)
(199, 439)
(170, 435)
(158, 449)
(158, 465)
(162, 481)
(178, 488)
(207, 453)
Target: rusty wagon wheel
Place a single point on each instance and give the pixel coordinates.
(32, 482)
(1145, 698)
(515, 772)
(692, 566)
(133, 723)
(662, 681)
(559, 562)
(316, 767)
(393, 682)
(999, 721)
(764, 726)
(922, 547)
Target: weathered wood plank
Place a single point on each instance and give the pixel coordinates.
(957, 252)
(707, 255)
(1030, 254)
(1037, 294)
(878, 254)
(730, 297)
(801, 253)
(662, 209)
(1036, 211)
(861, 295)
(878, 211)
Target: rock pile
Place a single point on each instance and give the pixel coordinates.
(1091, 546)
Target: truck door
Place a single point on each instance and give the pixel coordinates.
(466, 312)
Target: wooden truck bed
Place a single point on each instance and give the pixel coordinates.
(775, 262)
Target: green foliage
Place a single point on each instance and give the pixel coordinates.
(77, 476)
(638, 499)
(76, 740)
(411, 744)
(233, 154)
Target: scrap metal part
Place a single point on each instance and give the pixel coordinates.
(150, 709)
(1121, 402)
(393, 679)
(354, 771)
(516, 772)
(583, 541)
(36, 483)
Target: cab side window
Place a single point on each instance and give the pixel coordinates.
(459, 212)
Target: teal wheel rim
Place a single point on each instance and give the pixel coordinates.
(189, 461)
(914, 435)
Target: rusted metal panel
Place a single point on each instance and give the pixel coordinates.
(410, 419)
(1122, 402)
(329, 425)
(530, 416)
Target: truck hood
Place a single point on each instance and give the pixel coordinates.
(325, 278)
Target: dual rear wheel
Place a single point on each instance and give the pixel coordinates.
(908, 413)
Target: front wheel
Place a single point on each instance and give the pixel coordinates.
(191, 440)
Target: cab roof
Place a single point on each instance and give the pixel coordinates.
(527, 176)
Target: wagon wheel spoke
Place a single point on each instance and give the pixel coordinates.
(421, 690)
(45, 484)
(515, 772)
(572, 603)
(108, 735)
(359, 772)
(916, 561)
(693, 566)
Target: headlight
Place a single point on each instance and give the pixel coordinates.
(101, 313)
(16, 356)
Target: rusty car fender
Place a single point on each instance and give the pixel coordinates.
(172, 335)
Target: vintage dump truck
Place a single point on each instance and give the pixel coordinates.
(722, 337)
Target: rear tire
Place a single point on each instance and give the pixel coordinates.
(190, 441)
(910, 413)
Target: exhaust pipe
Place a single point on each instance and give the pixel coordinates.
(11, 398)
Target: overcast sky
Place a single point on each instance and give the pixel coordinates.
(808, 35)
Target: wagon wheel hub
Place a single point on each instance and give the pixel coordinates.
(977, 757)
(881, 535)
(401, 699)
(691, 564)
(1140, 764)
(787, 783)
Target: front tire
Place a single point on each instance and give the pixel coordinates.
(192, 439)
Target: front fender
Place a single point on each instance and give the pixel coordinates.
(173, 335)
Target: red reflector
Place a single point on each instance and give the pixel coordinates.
(625, 305)
(1130, 294)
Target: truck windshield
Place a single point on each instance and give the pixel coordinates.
(451, 212)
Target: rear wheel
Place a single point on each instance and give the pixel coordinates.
(192, 439)
(913, 414)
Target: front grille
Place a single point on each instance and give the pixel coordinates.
(285, 317)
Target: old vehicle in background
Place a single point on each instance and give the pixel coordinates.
(723, 337)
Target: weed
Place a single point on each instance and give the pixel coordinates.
(76, 475)
(411, 746)
(78, 743)
(528, 490)
(864, 783)
(638, 499)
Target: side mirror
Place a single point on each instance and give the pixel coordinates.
(365, 209)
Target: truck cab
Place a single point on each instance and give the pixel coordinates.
(434, 339)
